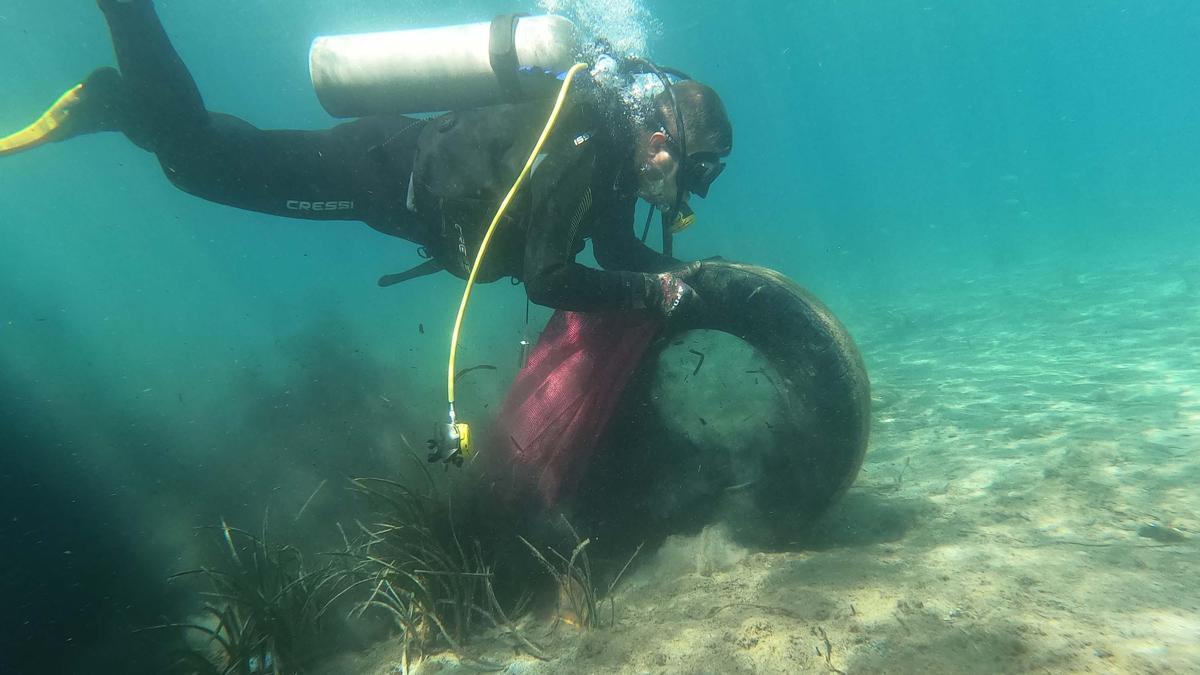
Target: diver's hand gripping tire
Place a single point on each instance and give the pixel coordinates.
(821, 443)
(674, 297)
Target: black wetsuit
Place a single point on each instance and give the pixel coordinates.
(433, 182)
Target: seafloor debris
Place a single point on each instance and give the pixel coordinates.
(1161, 533)
(464, 371)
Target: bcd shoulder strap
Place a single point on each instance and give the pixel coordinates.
(424, 269)
(502, 53)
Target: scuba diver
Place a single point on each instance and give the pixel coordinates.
(434, 182)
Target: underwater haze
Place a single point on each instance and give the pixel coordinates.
(998, 199)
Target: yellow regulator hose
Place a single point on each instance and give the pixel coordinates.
(461, 428)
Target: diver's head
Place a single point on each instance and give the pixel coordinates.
(672, 159)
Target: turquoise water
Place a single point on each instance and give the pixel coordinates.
(976, 173)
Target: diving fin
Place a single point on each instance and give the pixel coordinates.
(86, 108)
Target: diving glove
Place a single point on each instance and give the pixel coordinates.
(673, 295)
(86, 108)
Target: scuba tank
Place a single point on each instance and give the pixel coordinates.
(446, 68)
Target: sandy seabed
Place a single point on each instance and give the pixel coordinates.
(1029, 503)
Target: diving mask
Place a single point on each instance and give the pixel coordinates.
(699, 171)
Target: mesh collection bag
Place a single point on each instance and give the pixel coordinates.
(563, 399)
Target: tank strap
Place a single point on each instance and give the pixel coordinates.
(502, 53)
(424, 269)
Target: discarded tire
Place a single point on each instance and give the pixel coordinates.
(820, 442)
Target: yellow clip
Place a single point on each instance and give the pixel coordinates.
(464, 438)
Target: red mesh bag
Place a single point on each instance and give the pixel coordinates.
(562, 401)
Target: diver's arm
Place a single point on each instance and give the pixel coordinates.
(552, 277)
(617, 248)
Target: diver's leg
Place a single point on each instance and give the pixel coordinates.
(358, 170)
(318, 175)
(355, 171)
(163, 103)
(153, 99)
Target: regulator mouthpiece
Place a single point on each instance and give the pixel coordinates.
(685, 217)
